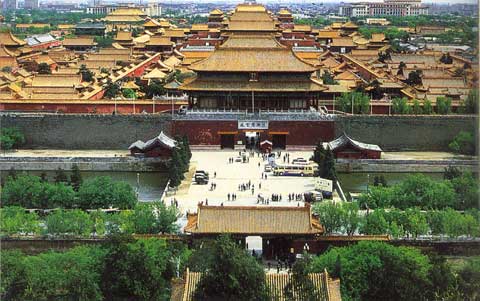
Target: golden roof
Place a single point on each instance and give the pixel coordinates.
(130, 85)
(306, 28)
(377, 37)
(174, 33)
(4, 52)
(154, 74)
(124, 36)
(216, 11)
(152, 23)
(53, 80)
(248, 7)
(78, 42)
(203, 27)
(350, 25)
(34, 25)
(347, 75)
(328, 34)
(159, 41)
(342, 42)
(259, 54)
(8, 39)
(127, 11)
(284, 12)
(66, 26)
(253, 220)
(118, 18)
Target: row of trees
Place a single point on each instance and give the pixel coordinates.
(145, 218)
(180, 161)
(460, 193)
(121, 269)
(10, 138)
(379, 271)
(345, 218)
(36, 192)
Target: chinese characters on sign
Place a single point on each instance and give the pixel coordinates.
(253, 125)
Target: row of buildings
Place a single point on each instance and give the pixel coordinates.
(385, 8)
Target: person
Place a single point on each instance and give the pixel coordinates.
(253, 190)
(260, 185)
(214, 174)
(265, 176)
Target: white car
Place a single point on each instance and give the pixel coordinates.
(267, 168)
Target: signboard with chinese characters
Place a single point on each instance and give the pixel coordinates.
(253, 124)
(324, 184)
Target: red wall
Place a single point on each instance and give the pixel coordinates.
(86, 107)
(201, 132)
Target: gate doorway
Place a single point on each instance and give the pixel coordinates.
(252, 140)
(227, 141)
(279, 141)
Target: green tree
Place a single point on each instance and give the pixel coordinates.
(451, 172)
(416, 108)
(176, 167)
(154, 218)
(72, 275)
(233, 275)
(467, 190)
(69, 223)
(375, 223)
(470, 104)
(11, 137)
(446, 58)
(102, 192)
(469, 279)
(129, 93)
(186, 143)
(361, 102)
(370, 268)
(415, 222)
(154, 88)
(76, 179)
(111, 90)
(329, 171)
(327, 78)
(414, 78)
(60, 176)
(301, 286)
(444, 105)
(350, 219)
(427, 107)
(463, 143)
(330, 216)
(44, 68)
(400, 106)
(12, 282)
(136, 270)
(87, 75)
(16, 221)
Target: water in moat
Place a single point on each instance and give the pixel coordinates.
(151, 184)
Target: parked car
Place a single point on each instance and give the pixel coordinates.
(299, 161)
(202, 180)
(201, 172)
(268, 168)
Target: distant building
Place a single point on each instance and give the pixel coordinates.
(9, 4)
(151, 10)
(347, 148)
(387, 8)
(31, 4)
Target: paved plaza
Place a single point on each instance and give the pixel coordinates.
(230, 175)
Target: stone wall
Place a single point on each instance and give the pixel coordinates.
(86, 131)
(405, 132)
(76, 131)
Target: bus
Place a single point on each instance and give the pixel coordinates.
(307, 170)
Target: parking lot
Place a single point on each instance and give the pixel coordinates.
(230, 175)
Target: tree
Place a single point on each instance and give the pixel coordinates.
(319, 157)
(361, 102)
(446, 58)
(330, 215)
(350, 219)
(16, 221)
(414, 78)
(466, 187)
(12, 282)
(129, 93)
(44, 68)
(70, 275)
(374, 223)
(111, 90)
(76, 179)
(176, 167)
(327, 78)
(233, 275)
(136, 269)
(451, 172)
(469, 279)
(154, 218)
(463, 143)
(416, 108)
(470, 105)
(102, 192)
(329, 171)
(87, 75)
(69, 223)
(300, 286)
(60, 176)
(444, 105)
(368, 270)
(154, 88)
(400, 106)
(415, 222)
(11, 138)
(427, 107)
(186, 143)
